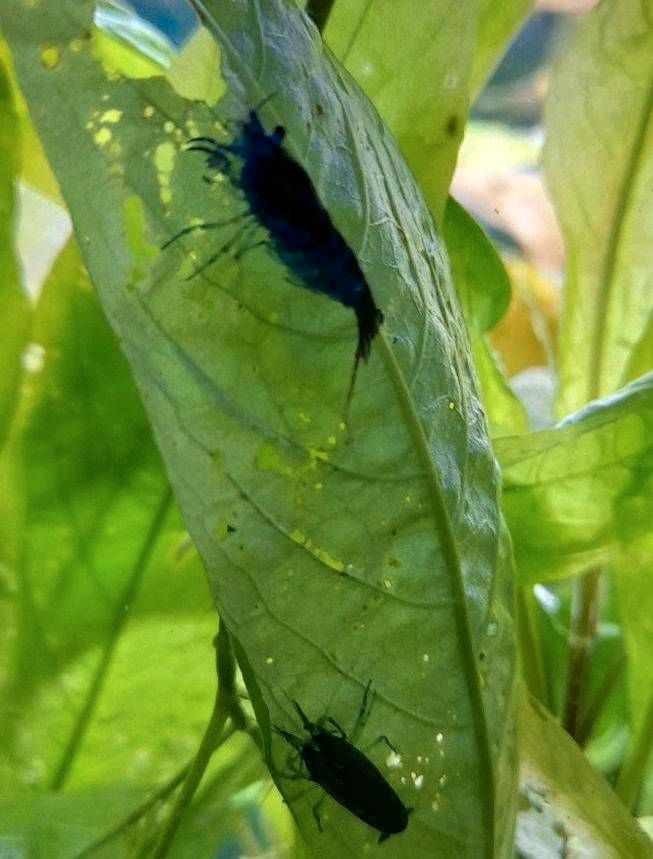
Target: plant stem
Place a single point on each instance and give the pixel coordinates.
(532, 661)
(226, 705)
(210, 742)
(582, 631)
(120, 617)
(319, 11)
(634, 767)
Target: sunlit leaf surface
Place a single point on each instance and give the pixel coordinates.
(632, 566)
(421, 62)
(413, 59)
(572, 495)
(83, 492)
(599, 165)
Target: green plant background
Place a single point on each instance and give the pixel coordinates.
(107, 621)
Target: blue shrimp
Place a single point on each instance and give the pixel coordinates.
(282, 199)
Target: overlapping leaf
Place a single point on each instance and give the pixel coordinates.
(83, 487)
(568, 808)
(599, 166)
(574, 494)
(497, 24)
(335, 556)
(421, 62)
(484, 289)
(413, 60)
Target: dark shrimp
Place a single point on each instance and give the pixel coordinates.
(282, 198)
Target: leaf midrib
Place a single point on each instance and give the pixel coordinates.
(452, 564)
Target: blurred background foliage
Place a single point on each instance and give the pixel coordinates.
(98, 578)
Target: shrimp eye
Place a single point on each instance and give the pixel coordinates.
(279, 133)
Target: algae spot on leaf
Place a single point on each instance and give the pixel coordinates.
(50, 57)
(136, 230)
(321, 554)
(270, 458)
(164, 161)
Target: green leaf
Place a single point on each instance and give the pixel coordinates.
(573, 494)
(641, 358)
(34, 168)
(14, 303)
(483, 287)
(86, 460)
(234, 809)
(150, 716)
(151, 712)
(195, 70)
(497, 24)
(57, 826)
(599, 165)
(335, 557)
(92, 478)
(413, 58)
(482, 281)
(84, 493)
(421, 63)
(566, 804)
(631, 567)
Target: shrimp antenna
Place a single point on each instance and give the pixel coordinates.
(265, 101)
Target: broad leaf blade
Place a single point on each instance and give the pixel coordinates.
(497, 24)
(83, 483)
(421, 62)
(413, 58)
(573, 494)
(600, 132)
(641, 358)
(376, 556)
(632, 567)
